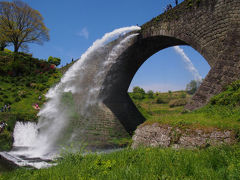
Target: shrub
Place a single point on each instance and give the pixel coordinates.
(6, 80)
(54, 60)
(33, 85)
(17, 99)
(28, 84)
(229, 97)
(160, 101)
(5, 96)
(150, 94)
(7, 102)
(183, 95)
(177, 102)
(22, 94)
(137, 89)
(40, 87)
(138, 96)
(13, 80)
(5, 140)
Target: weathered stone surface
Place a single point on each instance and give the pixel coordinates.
(157, 135)
(152, 137)
(211, 27)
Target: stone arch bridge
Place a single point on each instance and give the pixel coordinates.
(211, 27)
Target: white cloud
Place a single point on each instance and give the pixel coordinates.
(84, 33)
(189, 65)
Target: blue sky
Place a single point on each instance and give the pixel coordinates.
(75, 24)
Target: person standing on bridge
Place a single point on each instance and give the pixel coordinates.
(176, 2)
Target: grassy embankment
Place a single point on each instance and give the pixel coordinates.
(222, 112)
(156, 163)
(22, 80)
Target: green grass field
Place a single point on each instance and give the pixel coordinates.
(222, 116)
(143, 163)
(223, 112)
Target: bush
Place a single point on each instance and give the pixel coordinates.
(22, 94)
(7, 102)
(5, 140)
(6, 80)
(40, 87)
(28, 84)
(150, 94)
(54, 60)
(177, 102)
(183, 95)
(138, 96)
(137, 89)
(17, 99)
(5, 96)
(229, 97)
(160, 101)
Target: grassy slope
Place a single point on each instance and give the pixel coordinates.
(222, 112)
(21, 89)
(155, 163)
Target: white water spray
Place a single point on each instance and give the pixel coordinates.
(189, 65)
(25, 134)
(79, 81)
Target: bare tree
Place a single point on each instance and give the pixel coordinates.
(21, 24)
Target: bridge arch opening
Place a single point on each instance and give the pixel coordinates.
(166, 74)
(119, 78)
(170, 69)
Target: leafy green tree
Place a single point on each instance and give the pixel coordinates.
(54, 60)
(21, 24)
(138, 93)
(192, 87)
(150, 94)
(137, 89)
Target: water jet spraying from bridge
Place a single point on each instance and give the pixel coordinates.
(69, 111)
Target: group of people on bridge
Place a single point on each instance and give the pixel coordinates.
(169, 6)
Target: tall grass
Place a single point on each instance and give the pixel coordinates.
(142, 163)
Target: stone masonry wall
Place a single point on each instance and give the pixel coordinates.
(157, 135)
(212, 28)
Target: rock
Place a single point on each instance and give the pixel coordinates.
(157, 135)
